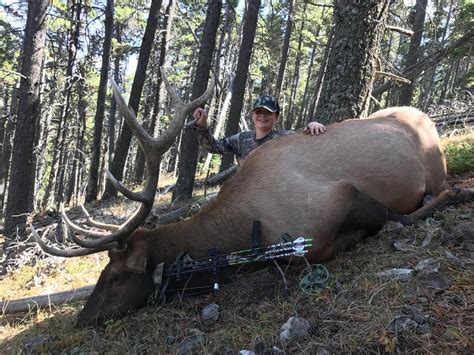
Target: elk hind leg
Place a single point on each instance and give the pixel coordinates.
(364, 217)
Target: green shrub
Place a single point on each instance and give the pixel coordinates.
(460, 157)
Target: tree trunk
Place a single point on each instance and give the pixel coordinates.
(359, 27)
(285, 48)
(155, 95)
(238, 87)
(72, 48)
(7, 141)
(73, 187)
(304, 105)
(219, 125)
(320, 79)
(53, 191)
(3, 124)
(189, 144)
(123, 143)
(21, 189)
(406, 92)
(113, 105)
(92, 185)
(290, 115)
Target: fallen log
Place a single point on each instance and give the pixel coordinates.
(45, 301)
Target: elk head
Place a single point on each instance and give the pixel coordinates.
(126, 282)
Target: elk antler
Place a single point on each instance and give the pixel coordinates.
(153, 149)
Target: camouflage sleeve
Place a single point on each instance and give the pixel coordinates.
(212, 145)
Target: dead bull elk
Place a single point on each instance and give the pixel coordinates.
(335, 188)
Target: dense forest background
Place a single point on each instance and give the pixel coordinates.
(60, 130)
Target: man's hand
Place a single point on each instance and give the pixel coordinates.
(314, 128)
(201, 118)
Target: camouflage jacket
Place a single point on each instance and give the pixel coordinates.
(241, 144)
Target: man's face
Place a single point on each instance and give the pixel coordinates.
(264, 119)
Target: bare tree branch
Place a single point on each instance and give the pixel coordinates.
(403, 31)
(425, 63)
(48, 300)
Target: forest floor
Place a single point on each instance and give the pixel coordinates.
(358, 311)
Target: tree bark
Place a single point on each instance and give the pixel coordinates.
(21, 189)
(189, 145)
(54, 189)
(406, 92)
(238, 88)
(92, 185)
(65, 117)
(320, 79)
(304, 105)
(359, 27)
(285, 48)
(291, 118)
(7, 140)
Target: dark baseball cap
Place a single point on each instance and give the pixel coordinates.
(267, 102)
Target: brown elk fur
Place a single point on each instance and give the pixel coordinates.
(332, 188)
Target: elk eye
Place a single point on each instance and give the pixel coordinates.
(114, 277)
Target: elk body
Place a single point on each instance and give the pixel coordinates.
(335, 188)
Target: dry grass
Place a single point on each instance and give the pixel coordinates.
(351, 315)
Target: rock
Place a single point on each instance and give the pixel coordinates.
(246, 352)
(34, 345)
(210, 314)
(465, 231)
(293, 330)
(402, 323)
(322, 351)
(192, 343)
(433, 239)
(403, 245)
(428, 265)
(225, 350)
(396, 274)
(428, 284)
(454, 258)
(412, 319)
(262, 349)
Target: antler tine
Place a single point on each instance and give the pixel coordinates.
(62, 252)
(167, 137)
(101, 239)
(94, 223)
(201, 100)
(175, 100)
(153, 148)
(144, 139)
(135, 196)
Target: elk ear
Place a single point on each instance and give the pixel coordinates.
(136, 261)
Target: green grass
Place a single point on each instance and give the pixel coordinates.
(459, 157)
